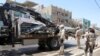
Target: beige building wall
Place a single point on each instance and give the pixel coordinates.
(60, 15)
(55, 14)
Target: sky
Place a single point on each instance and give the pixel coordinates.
(87, 9)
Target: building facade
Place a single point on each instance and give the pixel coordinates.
(54, 14)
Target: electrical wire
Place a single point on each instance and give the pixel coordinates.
(97, 3)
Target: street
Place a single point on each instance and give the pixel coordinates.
(35, 28)
(97, 53)
(32, 50)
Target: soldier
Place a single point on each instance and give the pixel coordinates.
(62, 37)
(90, 41)
(78, 34)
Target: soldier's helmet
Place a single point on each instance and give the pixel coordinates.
(61, 26)
(91, 30)
(80, 25)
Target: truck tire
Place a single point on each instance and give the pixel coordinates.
(41, 45)
(2, 41)
(53, 43)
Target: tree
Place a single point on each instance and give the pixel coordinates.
(25, 4)
(28, 4)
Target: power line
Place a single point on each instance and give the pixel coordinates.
(97, 3)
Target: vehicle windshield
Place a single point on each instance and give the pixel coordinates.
(21, 14)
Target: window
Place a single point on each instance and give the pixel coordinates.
(66, 14)
(1, 23)
(26, 16)
(20, 14)
(17, 14)
(58, 13)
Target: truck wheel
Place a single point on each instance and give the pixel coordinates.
(22, 42)
(41, 45)
(53, 43)
(2, 41)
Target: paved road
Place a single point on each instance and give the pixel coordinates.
(97, 53)
(33, 49)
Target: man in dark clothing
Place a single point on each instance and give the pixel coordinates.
(90, 41)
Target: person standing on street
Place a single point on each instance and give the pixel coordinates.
(62, 38)
(90, 41)
(78, 34)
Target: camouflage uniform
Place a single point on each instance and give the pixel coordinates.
(62, 37)
(90, 43)
(78, 35)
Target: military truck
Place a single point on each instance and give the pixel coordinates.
(18, 23)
